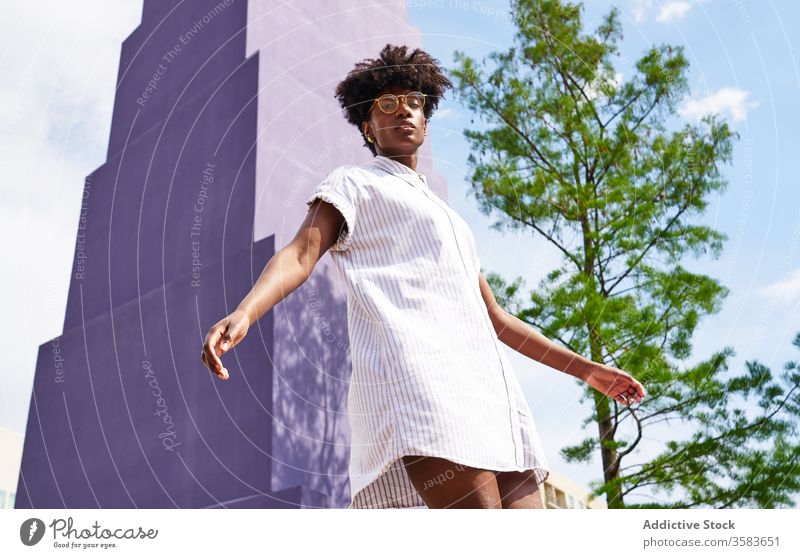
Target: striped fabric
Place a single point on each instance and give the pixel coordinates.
(429, 374)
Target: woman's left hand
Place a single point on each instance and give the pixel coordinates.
(613, 382)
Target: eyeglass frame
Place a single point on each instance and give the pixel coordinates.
(403, 97)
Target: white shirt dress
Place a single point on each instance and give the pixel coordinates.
(429, 375)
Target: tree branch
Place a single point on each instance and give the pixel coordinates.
(650, 245)
(625, 106)
(511, 125)
(605, 168)
(549, 237)
(635, 443)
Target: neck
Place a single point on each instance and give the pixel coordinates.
(408, 160)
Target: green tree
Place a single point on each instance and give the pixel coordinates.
(583, 158)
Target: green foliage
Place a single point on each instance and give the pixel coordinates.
(506, 294)
(574, 153)
(580, 452)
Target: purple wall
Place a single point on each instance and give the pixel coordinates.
(207, 170)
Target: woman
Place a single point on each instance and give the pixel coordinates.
(437, 415)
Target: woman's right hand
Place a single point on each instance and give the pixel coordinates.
(223, 336)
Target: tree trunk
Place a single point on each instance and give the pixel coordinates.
(610, 464)
(605, 426)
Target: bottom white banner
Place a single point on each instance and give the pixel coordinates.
(346, 532)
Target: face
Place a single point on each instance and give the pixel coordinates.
(389, 138)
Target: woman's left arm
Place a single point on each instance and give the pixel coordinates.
(524, 339)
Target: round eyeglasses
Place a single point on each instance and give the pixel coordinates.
(389, 102)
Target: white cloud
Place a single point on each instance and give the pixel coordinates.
(675, 9)
(730, 101)
(670, 10)
(445, 114)
(784, 290)
(639, 8)
(60, 63)
(60, 66)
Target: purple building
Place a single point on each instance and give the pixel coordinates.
(224, 121)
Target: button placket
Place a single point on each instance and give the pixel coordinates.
(514, 420)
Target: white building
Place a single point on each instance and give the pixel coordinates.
(562, 493)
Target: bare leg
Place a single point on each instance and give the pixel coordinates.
(445, 484)
(519, 490)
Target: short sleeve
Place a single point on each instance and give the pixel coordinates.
(340, 189)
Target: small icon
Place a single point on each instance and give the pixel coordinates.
(31, 531)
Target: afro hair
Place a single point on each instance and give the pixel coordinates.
(394, 68)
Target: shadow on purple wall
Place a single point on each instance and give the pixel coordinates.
(123, 413)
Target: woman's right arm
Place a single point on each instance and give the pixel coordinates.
(286, 270)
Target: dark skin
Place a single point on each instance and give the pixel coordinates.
(388, 138)
(444, 484)
(291, 266)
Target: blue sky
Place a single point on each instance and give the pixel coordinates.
(55, 109)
